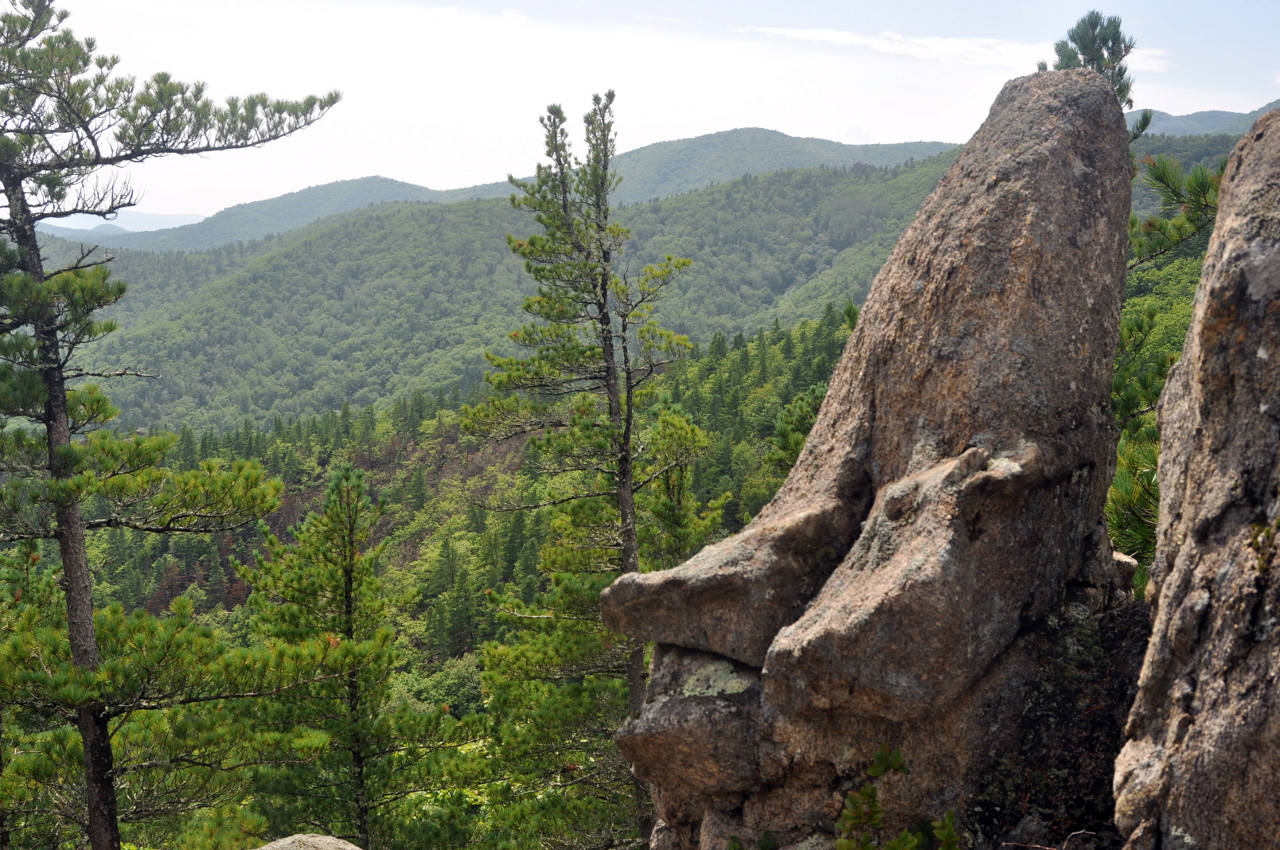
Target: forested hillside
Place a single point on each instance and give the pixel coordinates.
(397, 298)
(406, 297)
(654, 171)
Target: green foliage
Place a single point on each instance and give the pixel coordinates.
(440, 556)
(860, 825)
(1207, 151)
(1153, 324)
(1188, 207)
(1098, 43)
(561, 683)
(64, 116)
(1133, 502)
(791, 428)
(170, 686)
(364, 756)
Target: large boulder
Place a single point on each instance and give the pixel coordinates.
(310, 842)
(898, 587)
(1202, 766)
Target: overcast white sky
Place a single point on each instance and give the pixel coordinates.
(448, 96)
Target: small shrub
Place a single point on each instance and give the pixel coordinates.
(861, 820)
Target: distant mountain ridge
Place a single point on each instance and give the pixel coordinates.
(393, 298)
(1201, 123)
(655, 171)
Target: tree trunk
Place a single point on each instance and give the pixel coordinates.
(69, 529)
(358, 780)
(622, 413)
(360, 793)
(100, 790)
(4, 818)
(77, 585)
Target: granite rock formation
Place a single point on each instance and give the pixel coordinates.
(310, 842)
(940, 535)
(1202, 766)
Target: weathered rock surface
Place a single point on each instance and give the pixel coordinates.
(309, 842)
(899, 588)
(1202, 766)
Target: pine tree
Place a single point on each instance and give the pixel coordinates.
(672, 523)
(1097, 42)
(64, 116)
(369, 754)
(564, 683)
(1188, 208)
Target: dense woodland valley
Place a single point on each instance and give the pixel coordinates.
(405, 651)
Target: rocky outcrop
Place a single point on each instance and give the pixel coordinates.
(903, 586)
(1202, 766)
(310, 842)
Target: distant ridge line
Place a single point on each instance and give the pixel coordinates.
(653, 171)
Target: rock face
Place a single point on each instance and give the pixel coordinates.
(1202, 766)
(310, 842)
(899, 588)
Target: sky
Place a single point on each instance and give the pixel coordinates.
(447, 96)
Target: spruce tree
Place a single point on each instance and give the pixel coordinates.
(65, 115)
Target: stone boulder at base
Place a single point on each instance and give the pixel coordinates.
(310, 842)
(930, 555)
(1202, 766)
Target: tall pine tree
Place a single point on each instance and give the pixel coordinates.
(563, 684)
(65, 115)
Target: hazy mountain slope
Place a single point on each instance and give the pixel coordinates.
(670, 168)
(1201, 123)
(245, 222)
(377, 302)
(654, 171)
(348, 310)
(100, 231)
